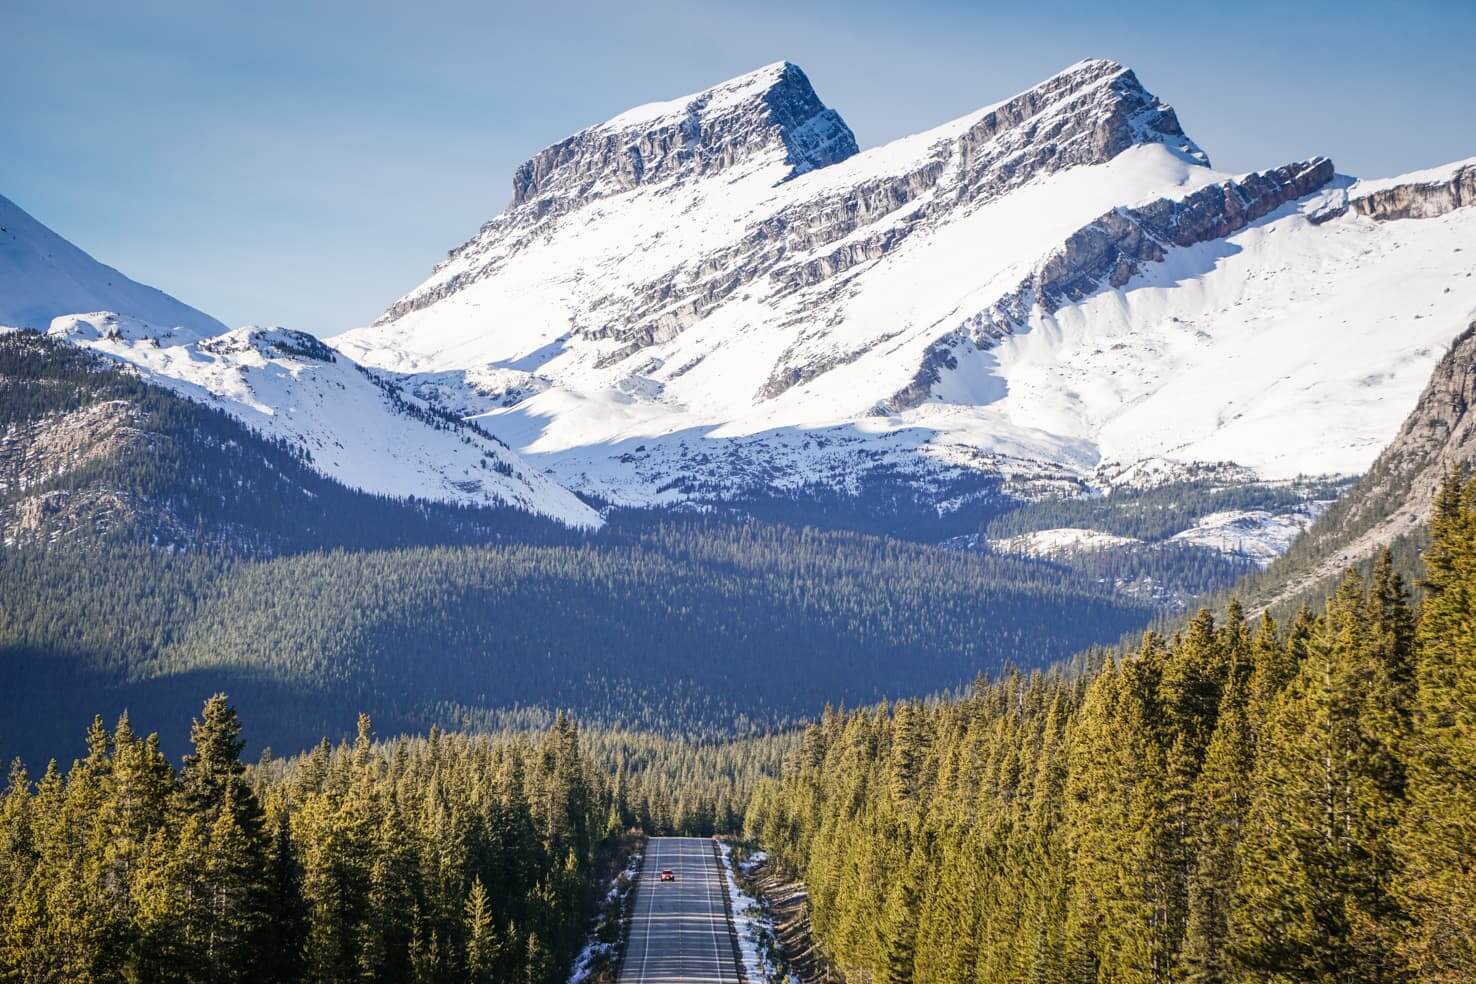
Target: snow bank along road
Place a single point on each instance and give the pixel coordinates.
(680, 929)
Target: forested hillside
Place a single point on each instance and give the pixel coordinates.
(1238, 802)
(157, 550)
(682, 626)
(442, 858)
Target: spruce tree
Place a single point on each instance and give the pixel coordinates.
(481, 935)
(1221, 798)
(1313, 901)
(1437, 839)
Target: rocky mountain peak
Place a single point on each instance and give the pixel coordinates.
(769, 116)
(1099, 104)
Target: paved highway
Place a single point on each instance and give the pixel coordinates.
(679, 931)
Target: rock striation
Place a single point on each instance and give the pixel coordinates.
(1085, 115)
(1419, 200)
(769, 119)
(773, 111)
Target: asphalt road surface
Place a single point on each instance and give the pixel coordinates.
(679, 931)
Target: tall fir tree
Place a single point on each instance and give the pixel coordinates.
(1437, 839)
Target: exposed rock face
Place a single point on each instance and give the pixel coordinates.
(696, 288)
(1438, 437)
(61, 514)
(1086, 115)
(773, 110)
(269, 342)
(1112, 250)
(35, 453)
(1441, 432)
(1425, 200)
(769, 116)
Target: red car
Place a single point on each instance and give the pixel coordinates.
(668, 875)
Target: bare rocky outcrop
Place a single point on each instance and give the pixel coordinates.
(1426, 198)
(773, 114)
(61, 514)
(1110, 251)
(1419, 200)
(34, 454)
(776, 109)
(269, 342)
(40, 450)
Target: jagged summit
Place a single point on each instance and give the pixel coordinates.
(653, 185)
(771, 114)
(1117, 110)
(677, 309)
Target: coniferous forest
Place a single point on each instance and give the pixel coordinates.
(993, 545)
(1240, 801)
(1229, 799)
(441, 858)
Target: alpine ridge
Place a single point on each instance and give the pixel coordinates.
(720, 300)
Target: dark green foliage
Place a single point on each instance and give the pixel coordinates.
(446, 858)
(678, 627)
(1436, 842)
(1166, 575)
(1230, 804)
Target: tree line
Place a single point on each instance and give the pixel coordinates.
(441, 858)
(1241, 801)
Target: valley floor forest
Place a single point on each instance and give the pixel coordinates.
(1238, 801)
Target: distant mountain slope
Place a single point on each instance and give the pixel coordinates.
(353, 425)
(721, 300)
(156, 549)
(43, 276)
(93, 452)
(1390, 505)
(356, 426)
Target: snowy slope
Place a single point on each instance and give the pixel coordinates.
(1255, 534)
(1288, 347)
(355, 425)
(720, 295)
(43, 276)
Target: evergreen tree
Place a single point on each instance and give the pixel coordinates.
(481, 935)
(1437, 840)
(1314, 900)
(1221, 798)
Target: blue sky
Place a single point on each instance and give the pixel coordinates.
(306, 163)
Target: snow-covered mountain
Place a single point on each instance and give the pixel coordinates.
(720, 296)
(42, 276)
(355, 425)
